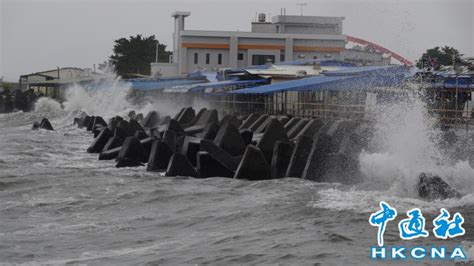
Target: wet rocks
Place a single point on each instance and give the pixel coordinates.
(186, 115)
(282, 153)
(132, 153)
(261, 147)
(100, 141)
(112, 143)
(44, 124)
(179, 165)
(433, 187)
(207, 166)
(219, 155)
(249, 121)
(273, 133)
(151, 120)
(210, 131)
(299, 157)
(228, 138)
(258, 122)
(160, 156)
(191, 147)
(253, 166)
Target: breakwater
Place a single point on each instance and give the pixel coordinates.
(253, 147)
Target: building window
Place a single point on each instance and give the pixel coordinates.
(219, 59)
(240, 56)
(262, 59)
(282, 57)
(315, 57)
(195, 58)
(208, 59)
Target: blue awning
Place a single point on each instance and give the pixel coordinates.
(346, 78)
(162, 84)
(217, 86)
(293, 85)
(226, 84)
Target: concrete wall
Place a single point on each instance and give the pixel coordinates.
(317, 55)
(266, 27)
(201, 53)
(66, 73)
(228, 44)
(164, 69)
(308, 24)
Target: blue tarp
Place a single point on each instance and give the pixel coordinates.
(162, 84)
(216, 85)
(368, 77)
(226, 83)
(293, 85)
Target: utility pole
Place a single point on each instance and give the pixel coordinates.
(457, 86)
(157, 47)
(301, 7)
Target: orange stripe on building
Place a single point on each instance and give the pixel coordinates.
(205, 45)
(261, 47)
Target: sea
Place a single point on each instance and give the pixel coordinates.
(61, 205)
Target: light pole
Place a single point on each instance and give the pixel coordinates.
(157, 47)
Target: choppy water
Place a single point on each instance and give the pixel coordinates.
(59, 204)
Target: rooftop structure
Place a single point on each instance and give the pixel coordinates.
(270, 41)
(283, 38)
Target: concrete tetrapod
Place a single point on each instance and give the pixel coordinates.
(179, 165)
(253, 165)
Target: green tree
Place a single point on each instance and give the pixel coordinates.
(442, 56)
(134, 55)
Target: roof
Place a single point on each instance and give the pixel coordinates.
(146, 84)
(363, 70)
(78, 79)
(260, 35)
(41, 73)
(355, 80)
(212, 86)
(285, 70)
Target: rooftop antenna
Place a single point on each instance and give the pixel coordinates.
(301, 7)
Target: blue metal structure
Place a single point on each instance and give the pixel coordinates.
(147, 84)
(350, 78)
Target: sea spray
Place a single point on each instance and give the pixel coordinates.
(114, 97)
(47, 105)
(107, 98)
(406, 143)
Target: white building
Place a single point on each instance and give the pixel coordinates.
(284, 38)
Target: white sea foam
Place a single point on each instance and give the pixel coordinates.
(47, 105)
(105, 99)
(111, 98)
(406, 144)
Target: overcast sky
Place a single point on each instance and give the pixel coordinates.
(37, 35)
